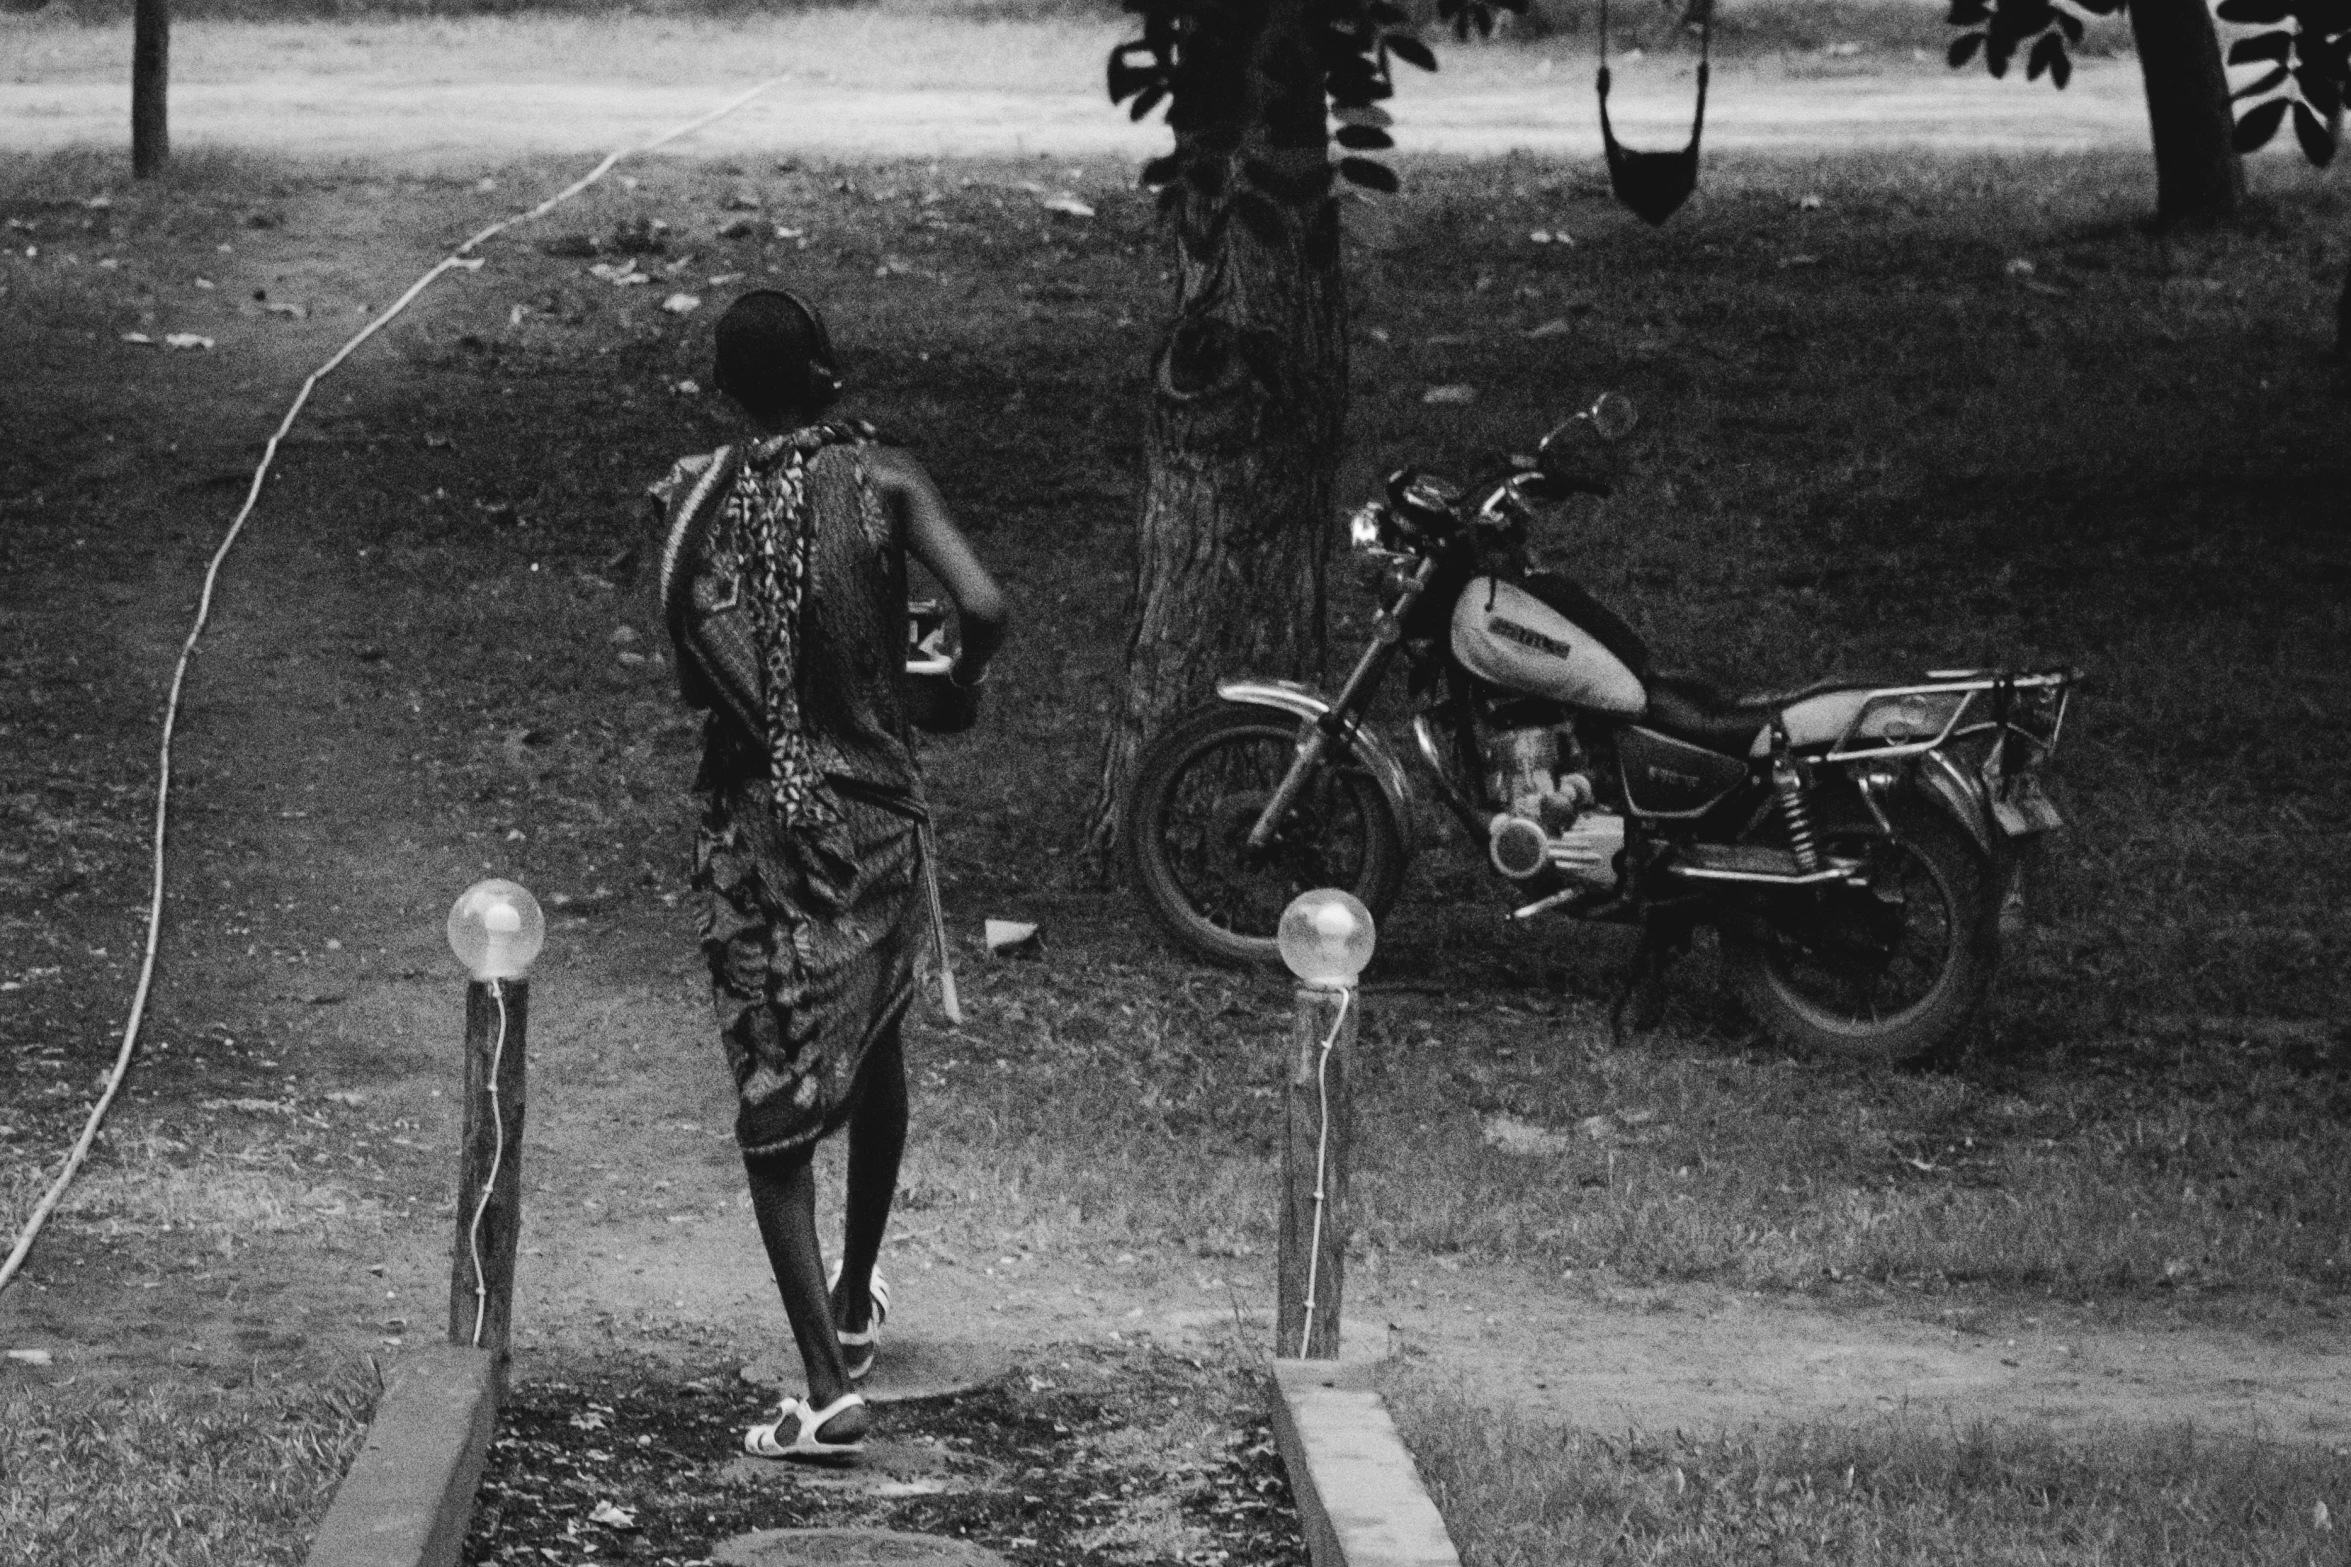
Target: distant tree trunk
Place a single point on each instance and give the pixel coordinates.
(150, 86)
(2199, 177)
(1248, 397)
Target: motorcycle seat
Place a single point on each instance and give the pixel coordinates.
(1693, 708)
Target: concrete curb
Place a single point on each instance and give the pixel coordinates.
(408, 1498)
(1360, 1499)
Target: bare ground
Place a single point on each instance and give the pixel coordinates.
(459, 95)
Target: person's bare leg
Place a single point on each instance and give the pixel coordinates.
(783, 1198)
(877, 1142)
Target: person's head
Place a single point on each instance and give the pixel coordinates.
(775, 358)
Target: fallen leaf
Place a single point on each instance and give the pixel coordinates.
(1799, 261)
(280, 308)
(612, 1517)
(1451, 396)
(40, 1357)
(682, 304)
(186, 340)
(1512, 1135)
(140, 338)
(2020, 266)
(1557, 326)
(1068, 206)
(1807, 203)
(1009, 935)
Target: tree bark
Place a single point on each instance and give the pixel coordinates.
(2199, 178)
(150, 86)
(1248, 399)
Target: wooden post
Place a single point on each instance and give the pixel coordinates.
(491, 1157)
(150, 86)
(1318, 1129)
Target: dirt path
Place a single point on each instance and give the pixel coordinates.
(469, 118)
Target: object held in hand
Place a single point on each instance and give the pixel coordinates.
(936, 701)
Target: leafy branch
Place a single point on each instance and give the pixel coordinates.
(2306, 44)
(1256, 115)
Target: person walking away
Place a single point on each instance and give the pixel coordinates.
(783, 582)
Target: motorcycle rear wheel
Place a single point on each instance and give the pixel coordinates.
(1199, 789)
(1893, 974)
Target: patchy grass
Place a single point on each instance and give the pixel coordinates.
(173, 1474)
(1520, 1494)
(1898, 413)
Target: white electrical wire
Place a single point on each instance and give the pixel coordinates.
(1322, 1154)
(473, 1234)
(454, 261)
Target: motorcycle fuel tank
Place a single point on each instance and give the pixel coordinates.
(1505, 634)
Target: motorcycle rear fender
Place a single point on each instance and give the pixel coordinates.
(1961, 794)
(1308, 705)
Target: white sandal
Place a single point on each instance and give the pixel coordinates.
(859, 1366)
(806, 1426)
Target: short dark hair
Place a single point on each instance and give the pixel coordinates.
(774, 355)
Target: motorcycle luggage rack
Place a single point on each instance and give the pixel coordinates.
(2001, 693)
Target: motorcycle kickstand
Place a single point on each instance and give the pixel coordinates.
(1662, 939)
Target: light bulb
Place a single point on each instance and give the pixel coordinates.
(1326, 937)
(496, 929)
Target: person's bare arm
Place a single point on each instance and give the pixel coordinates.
(933, 538)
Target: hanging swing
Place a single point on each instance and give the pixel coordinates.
(1655, 184)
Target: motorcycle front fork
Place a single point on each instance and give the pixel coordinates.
(1318, 736)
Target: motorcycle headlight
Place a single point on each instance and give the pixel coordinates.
(1364, 528)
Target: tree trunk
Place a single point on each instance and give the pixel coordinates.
(2199, 177)
(150, 86)
(1249, 395)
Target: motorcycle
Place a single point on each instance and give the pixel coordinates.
(1858, 846)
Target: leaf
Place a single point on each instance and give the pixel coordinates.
(2318, 142)
(2269, 82)
(2258, 124)
(2255, 13)
(2070, 25)
(1410, 50)
(1963, 48)
(2261, 46)
(1369, 175)
(1998, 51)
(1163, 171)
(2319, 90)
(1145, 101)
(2047, 47)
(2060, 71)
(1967, 13)
(1364, 138)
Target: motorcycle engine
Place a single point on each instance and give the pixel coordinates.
(1548, 821)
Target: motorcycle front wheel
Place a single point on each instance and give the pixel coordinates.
(1198, 791)
(1891, 971)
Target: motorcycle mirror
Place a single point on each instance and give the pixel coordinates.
(1612, 416)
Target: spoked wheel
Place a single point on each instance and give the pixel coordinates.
(1891, 970)
(1199, 790)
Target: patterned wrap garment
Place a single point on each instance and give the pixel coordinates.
(784, 583)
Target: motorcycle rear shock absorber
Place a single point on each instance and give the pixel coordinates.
(1787, 782)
